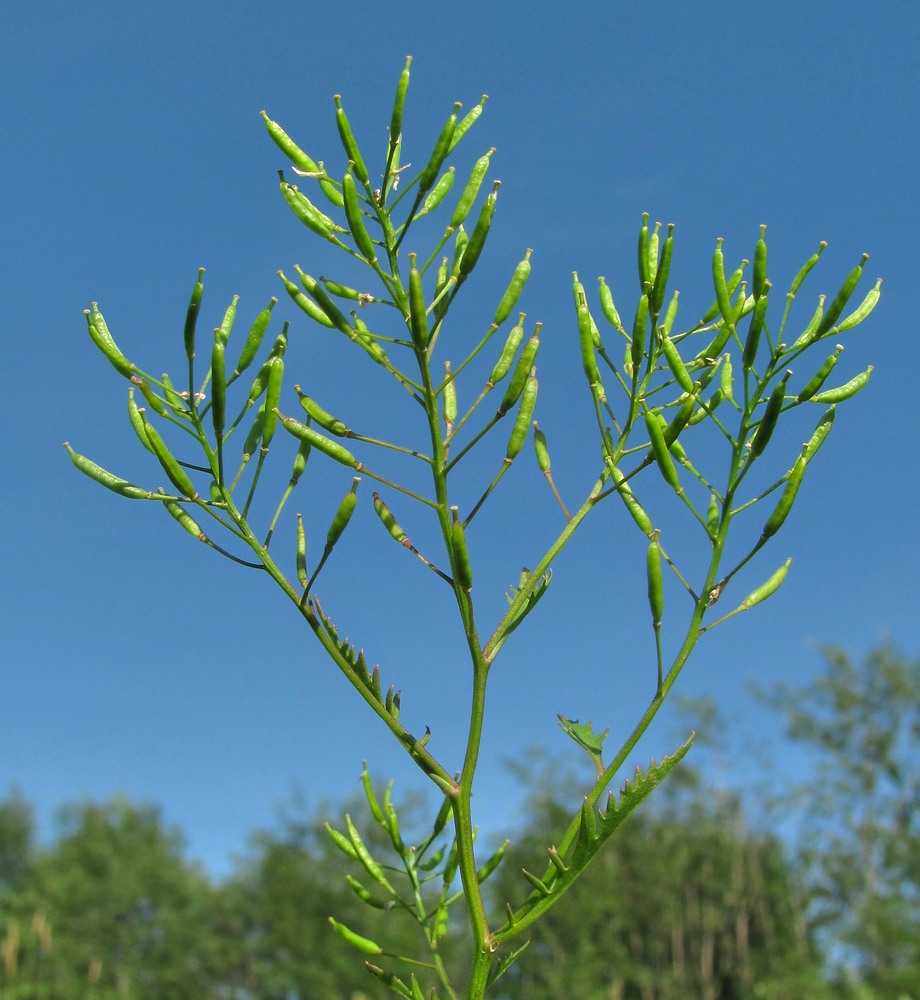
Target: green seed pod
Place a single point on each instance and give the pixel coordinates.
(759, 280)
(661, 275)
(670, 315)
(362, 944)
(438, 193)
(607, 306)
(541, 449)
(655, 583)
(680, 419)
(177, 475)
(513, 291)
(348, 140)
(341, 842)
(368, 342)
(388, 520)
(449, 399)
(660, 452)
(306, 211)
(810, 332)
(523, 418)
(503, 365)
(718, 277)
(173, 398)
(723, 335)
(343, 515)
(653, 255)
(427, 177)
(254, 339)
(218, 385)
(781, 510)
(521, 371)
(287, 146)
(322, 299)
(727, 382)
(355, 219)
(714, 516)
(191, 317)
(307, 305)
(272, 398)
(478, 236)
(768, 421)
(320, 416)
(712, 404)
(843, 392)
(862, 310)
(806, 267)
(185, 519)
(418, 320)
(676, 364)
(640, 324)
(226, 325)
(255, 434)
(629, 499)
(819, 435)
(328, 447)
(465, 123)
(461, 240)
(462, 569)
(765, 590)
(329, 189)
(107, 479)
(840, 299)
(399, 103)
(137, 421)
(645, 277)
(752, 343)
(377, 902)
(477, 175)
(301, 557)
(300, 462)
(588, 356)
(150, 397)
(820, 377)
(101, 337)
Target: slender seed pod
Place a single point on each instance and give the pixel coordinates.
(226, 325)
(191, 316)
(348, 140)
(810, 332)
(300, 462)
(607, 307)
(101, 337)
(388, 520)
(343, 515)
(513, 291)
(377, 902)
(712, 404)
(588, 356)
(355, 219)
(185, 519)
(177, 475)
(541, 449)
(782, 508)
(467, 122)
(105, 478)
(771, 414)
(427, 177)
(731, 285)
(255, 433)
(368, 342)
(846, 391)
(418, 320)
(862, 310)
(306, 211)
(329, 189)
(723, 335)
(840, 299)
(713, 516)
(640, 324)
(661, 453)
(676, 364)
(478, 236)
(727, 383)
(629, 499)
(806, 267)
(718, 277)
(655, 583)
(320, 416)
(752, 342)
(173, 398)
(463, 572)
(461, 241)
(218, 385)
(661, 275)
(342, 842)
(287, 146)
(644, 275)
(468, 196)
(759, 280)
(399, 103)
(328, 447)
(272, 398)
(680, 419)
(362, 944)
(524, 416)
(819, 435)
(151, 398)
(449, 399)
(670, 315)
(521, 371)
(765, 590)
(307, 305)
(254, 339)
(814, 384)
(322, 299)
(438, 193)
(503, 365)
(653, 255)
(137, 422)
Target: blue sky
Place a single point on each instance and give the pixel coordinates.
(135, 660)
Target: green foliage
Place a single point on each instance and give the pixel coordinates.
(662, 386)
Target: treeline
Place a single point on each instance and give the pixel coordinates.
(695, 897)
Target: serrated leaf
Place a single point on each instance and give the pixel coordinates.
(590, 741)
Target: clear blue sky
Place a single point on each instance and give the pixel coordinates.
(135, 660)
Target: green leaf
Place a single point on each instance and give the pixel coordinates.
(590, 741)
